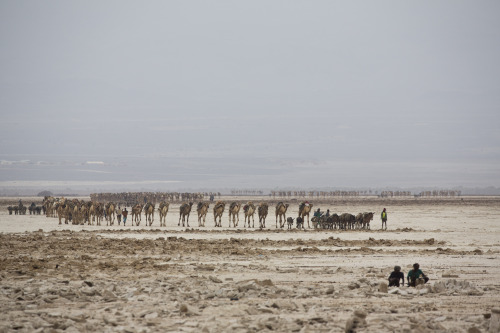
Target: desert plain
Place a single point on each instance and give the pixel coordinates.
(88, 278)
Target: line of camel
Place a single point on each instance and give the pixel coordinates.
(81, 212)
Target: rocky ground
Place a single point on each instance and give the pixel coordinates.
(87, 281)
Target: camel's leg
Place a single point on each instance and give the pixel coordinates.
(187, 221)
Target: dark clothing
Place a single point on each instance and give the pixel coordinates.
(395, 277)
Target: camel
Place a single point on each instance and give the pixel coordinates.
(262, 211)
(184, 211)
(65, 210)
(149, 213)
(61, 211)
(234, 210)
(367, 217)
(359, 221)
(163, 210)
(91, 212)
(98, 212)
(110, 213)
(300, 222)
(136, 214)
(281, 212)
(48, 204)
(249, 210)
(304, 209)
(333, 220)
(31, 208)
(76, 214)
(202, 210)
(347, 221)
(83, 212)
(218, 211)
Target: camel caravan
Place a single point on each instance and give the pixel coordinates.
(82, 212)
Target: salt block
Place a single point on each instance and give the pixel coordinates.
(495, 320)
(394, 291)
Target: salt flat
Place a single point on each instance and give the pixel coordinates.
(142, 278)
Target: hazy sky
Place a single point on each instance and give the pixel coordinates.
(251, 93)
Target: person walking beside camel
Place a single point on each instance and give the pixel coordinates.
(383, 216)
(119, 215)
(125, 214)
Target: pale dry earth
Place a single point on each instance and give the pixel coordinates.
(56, 278)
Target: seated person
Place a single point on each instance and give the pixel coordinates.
(416, 274)
(396, 276)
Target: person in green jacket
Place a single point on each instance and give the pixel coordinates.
(415, 274)
(383, 216)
